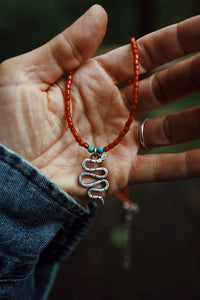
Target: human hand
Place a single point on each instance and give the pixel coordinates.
(161, 88)
(32, 118)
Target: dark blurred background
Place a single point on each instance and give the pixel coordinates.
(165, 237)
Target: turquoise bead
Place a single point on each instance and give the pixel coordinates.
(100, 150)
(91, 148)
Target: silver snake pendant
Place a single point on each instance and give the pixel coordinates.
(100, 177)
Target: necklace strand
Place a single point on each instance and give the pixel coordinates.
(128, 123)
(131, 208)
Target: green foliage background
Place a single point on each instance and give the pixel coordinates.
(25, 25)
(166, 239)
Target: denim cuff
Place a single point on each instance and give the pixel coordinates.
(38, 220)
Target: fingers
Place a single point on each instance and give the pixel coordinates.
(166, 167)
(169, 43)
(173, 129)
(166, 86)
(155, 49)
(68, 49)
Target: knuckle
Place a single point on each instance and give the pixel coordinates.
(167, 129)
(145, 54)
(188, 164)
(180, 38)
(195, 72)
(75, 50)
(158, 90)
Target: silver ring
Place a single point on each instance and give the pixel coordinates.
(142, 140)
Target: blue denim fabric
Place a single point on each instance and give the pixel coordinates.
(40, 225)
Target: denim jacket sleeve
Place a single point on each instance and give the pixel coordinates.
(40, 225)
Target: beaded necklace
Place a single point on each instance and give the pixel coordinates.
(98, 153)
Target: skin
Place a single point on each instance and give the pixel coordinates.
(32, 119)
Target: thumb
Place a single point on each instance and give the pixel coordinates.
(67, 50)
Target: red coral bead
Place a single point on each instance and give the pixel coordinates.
(134, 45)
(75, 133)
(69, 119)
(136, 62)
(119, 138)
(106, 149)
(135, 90)
(81, 143)
(68, 109)
(69, 82)
(67, 102)
(68, 114)
(70, 124)
(128, 123)
(136, 84)
(136, 67)
(86, 145)
(132, 40)
(136, 73)
(111, 145)
(67, 97)
(136, 78)
(122, 133)
(130, 119)
(126, 129)
(115, 143)
(132, 113)
(78, 139)
(67, 92)
(130, 82)
(133, 107)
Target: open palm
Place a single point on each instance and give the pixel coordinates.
(32, 117)
(34, 108)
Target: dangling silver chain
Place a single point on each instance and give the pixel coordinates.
(130, 209)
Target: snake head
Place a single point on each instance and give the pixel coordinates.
(98, 160)
(102, 158)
